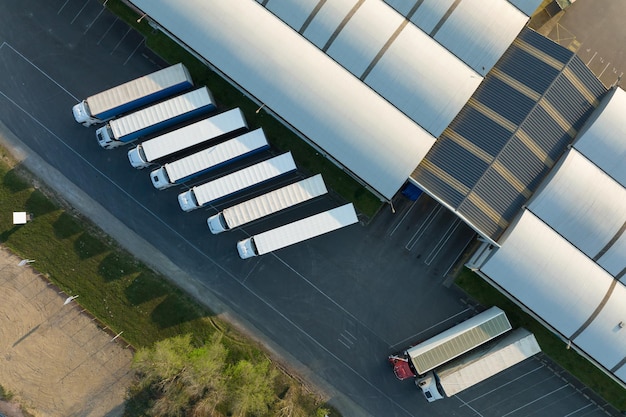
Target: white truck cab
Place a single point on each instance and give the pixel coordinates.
(187, 201)
(217, 223)
(82, 114)
(160, 179)
(246, 248)
(104, 135)
(137, 157)
(428, 385)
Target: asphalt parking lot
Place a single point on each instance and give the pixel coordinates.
(339, 304)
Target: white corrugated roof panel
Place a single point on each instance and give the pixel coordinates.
(614, 259)
(326, 21)
(364, 35)
(306, 228)
(527, 6)
(244, 178)
(602, 139)
(582, 203)
(297, 81)
(294, 13)
(164, 110)
(429, 13)
(435, 88)
(480, 31)
(194, 134)
(548, 275)
(604, 339)
(216, 155)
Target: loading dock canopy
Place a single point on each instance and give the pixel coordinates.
(296, 80)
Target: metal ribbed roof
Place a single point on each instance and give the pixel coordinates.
(459, 339)
(490, 160)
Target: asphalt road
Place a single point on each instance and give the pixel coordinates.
(338, 304)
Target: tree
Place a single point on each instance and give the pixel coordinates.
(252, 388)
(183, 378)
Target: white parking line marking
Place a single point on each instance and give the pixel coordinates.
(39, 69)
(93, 21)
(62, 7)
(467, 405)
(133, 53)
(403, 217)
(607, 65)
(535, 400)
(80, 11)
(459, 255)
(106, 32)
(341, 341)
(442, 242)
(350, 334)
(575, 411)
(120, 42)
(594, 55)
(422, 229)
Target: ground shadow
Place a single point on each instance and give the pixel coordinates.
(114, 267)
(14, 182)
(145, 288)
(87, 246)
(4, 236)
(38, 204)
(66, 226)
(174, 310)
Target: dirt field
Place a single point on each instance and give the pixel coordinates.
(53, 357)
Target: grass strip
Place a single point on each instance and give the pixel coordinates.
(552, 346)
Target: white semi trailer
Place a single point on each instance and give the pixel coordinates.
(425, 356)
(196, 164)
(185, 138)
(151, 119)
(132, 95)
(237, 181)
(297, 231)
(267, 204)
(478, 365)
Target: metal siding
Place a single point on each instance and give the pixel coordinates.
(480, 31)
(216, 155)
(435, 184)
(614, 260)
(504, 99)
(430, 87)
(401, 6)
(363, 37)
(244, 178)
(523, 163)
(482, 131)
(546, 45)
(528, 70)
(429, 13)
(447, 158)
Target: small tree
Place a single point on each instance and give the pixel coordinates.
(252, 388)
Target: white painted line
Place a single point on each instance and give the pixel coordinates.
(594, 55)
(106, 32)
(442, 242)
(535, 400)
(403, 217)
(40, 70)
(80, 11)
(120, 42)
(459, 255)
(93, 21)
(133, 53)
(62, 7)
(607, 65)
(468, 406)
(422, 229)
(350, 334)
(575, 411)
(415, 336)
(507, 383)
(346, 338)
(341, 341)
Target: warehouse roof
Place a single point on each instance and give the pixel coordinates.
(564, 287)
(399, 61)
(296, 80)
(476, 31)
(492, 157)
(585, 206)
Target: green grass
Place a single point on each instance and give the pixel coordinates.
(551, 345)
(227, 96)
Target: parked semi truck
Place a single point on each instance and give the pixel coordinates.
(267, 204)
(167, 113)
(132, 95)
(297, 231)
(185, 138)
(237, 181)
(206, 160)
(478, 365)
(425, 356)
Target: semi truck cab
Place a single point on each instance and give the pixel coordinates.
(104, 136)
(428, 385)
(217, 223)
(137, 157)
(82, 114)
(187, 201)
(159, 178)
(246, 248)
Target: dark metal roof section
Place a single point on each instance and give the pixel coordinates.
(491, 158)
